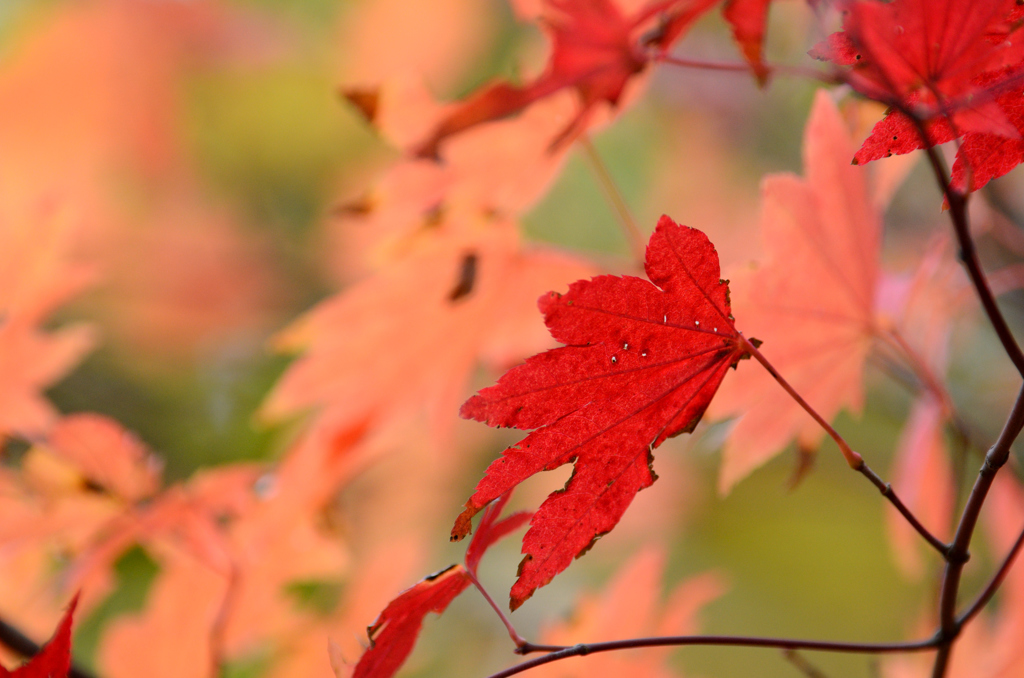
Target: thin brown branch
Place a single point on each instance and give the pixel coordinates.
(737, 67)
(887, 492)
(969, 255)
(584, 649)
(958, 554)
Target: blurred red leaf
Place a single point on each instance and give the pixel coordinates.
(490, 530)
(593, 51)
(394, 633)
(957, 65)
(748, 19)
(597, 48)
(641, 363)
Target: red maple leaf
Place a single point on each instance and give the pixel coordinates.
(596, 50)
(54, 660)
(394, 633)
(593, 50)
(641, 364)
(981, 157)
(956, 65)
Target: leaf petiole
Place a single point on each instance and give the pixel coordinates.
(855, 461)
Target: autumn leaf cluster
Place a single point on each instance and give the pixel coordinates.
(316, 234)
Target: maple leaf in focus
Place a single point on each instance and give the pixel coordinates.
(597, 49)
(394, 633)
(641, 363)
(54, 659)
(811, 302)
(956, 65)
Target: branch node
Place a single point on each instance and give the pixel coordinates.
(957, 556)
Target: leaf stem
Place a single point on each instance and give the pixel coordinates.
(887, 492)
(922, 370)
(637, 242)
(855, 461)
(523, 646)
(958, 554)
(583, 649)
(801, 664)
(969, 255)
(736, 67)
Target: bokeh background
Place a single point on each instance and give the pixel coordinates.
(204, 158)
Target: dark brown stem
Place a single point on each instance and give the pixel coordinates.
(530, 648)
(720, 641)
(887, 492)
(969, 256)
(958, 554)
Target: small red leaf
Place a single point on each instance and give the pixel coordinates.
(490, 530)
(641, 364)
(748, 19)
(593, 51)
(54, 660)
(394, 633)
